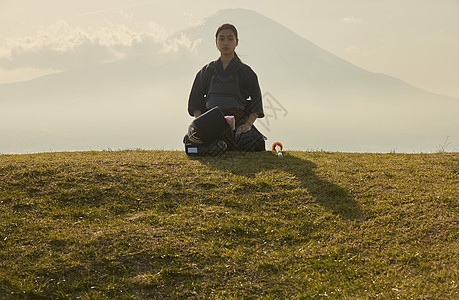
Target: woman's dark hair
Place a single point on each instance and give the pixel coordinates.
(227, 26)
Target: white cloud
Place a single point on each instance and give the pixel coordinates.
(352, 20)
(63, 47)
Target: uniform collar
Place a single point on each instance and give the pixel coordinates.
(230, 69)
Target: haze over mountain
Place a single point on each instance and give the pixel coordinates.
(313, 99)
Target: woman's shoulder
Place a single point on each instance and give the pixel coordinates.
(246, 70)
(245, 67)
(210, 66)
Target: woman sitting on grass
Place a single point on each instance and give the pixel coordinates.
(233, 87)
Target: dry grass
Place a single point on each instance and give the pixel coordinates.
(157, 224)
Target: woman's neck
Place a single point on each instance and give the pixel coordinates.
(226, 59)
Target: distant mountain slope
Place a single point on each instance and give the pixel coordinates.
(282, 57)
(316, 99)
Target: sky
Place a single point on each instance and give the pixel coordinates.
(414, 40)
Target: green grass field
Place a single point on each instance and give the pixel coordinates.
(158, 224)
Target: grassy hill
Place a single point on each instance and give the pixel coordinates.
(158, 224)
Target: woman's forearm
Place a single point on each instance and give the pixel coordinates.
(252, 118)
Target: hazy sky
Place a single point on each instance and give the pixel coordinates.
(414, 40)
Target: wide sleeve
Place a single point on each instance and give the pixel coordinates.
(255, 105)
(196, 100)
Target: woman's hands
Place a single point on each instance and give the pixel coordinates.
(243, 128)
(247, 125)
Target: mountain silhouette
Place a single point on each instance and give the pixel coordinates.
(313, 98)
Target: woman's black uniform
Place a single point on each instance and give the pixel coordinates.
(213, 85)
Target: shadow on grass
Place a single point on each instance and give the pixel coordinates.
(325, 193)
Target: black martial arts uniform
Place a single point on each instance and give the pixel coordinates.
(239, 80)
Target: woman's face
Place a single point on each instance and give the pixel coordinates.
(226, 42)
